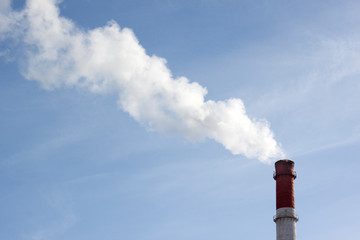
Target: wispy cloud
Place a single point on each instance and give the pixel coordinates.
(65, 218)
(40, 150)
(319, 94)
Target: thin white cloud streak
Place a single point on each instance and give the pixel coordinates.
(321, 91)
(40, 151)
(111, 60)
(63, 219)
(5, 6)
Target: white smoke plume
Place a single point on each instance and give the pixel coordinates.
(111, 60)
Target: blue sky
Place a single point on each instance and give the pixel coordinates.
(79, 162)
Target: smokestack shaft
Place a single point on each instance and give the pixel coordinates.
(285, 217)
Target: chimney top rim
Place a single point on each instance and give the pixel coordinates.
(284, 161)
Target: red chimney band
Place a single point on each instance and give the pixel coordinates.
(284, 175)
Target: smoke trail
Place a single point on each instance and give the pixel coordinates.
(111, 60)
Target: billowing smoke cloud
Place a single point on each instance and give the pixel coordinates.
(111, 60)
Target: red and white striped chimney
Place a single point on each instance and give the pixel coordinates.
(285, 217)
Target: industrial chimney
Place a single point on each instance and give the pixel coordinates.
(285, 217)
